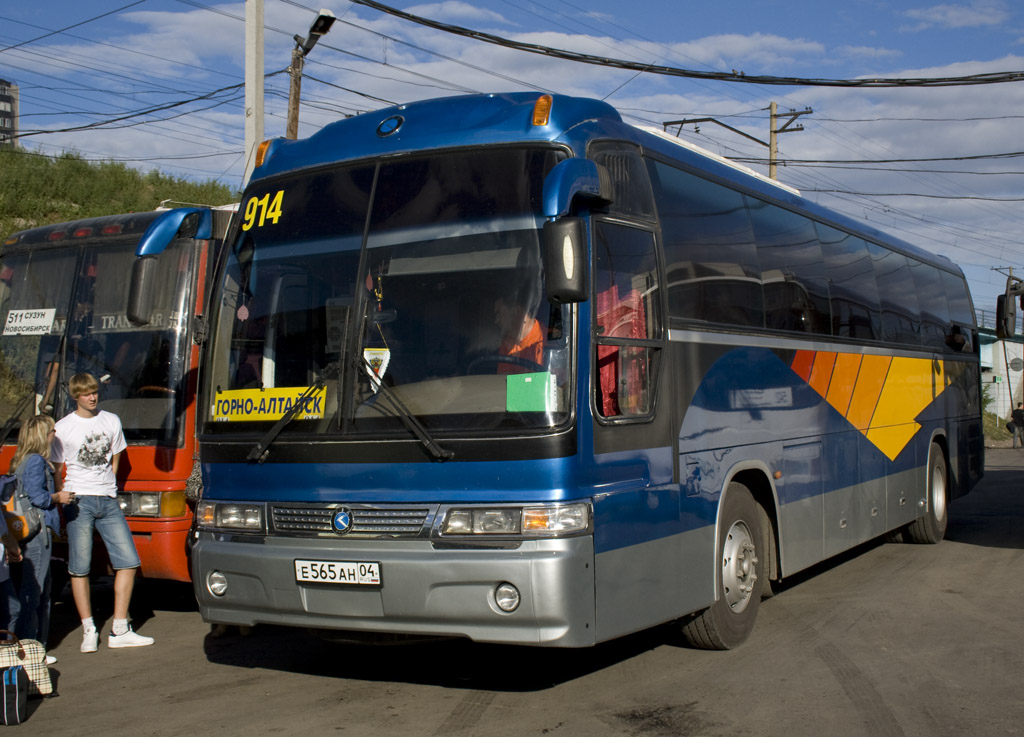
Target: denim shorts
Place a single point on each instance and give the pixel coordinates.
(102, 514)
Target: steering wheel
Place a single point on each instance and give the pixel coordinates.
(496, 358)
(155, 389)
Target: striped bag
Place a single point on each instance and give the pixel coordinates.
(32, 656)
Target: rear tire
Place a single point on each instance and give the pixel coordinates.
(740, 576)
(931, 528)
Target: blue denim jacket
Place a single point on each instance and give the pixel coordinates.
(36, 479)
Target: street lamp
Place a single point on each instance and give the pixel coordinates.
(303, 46)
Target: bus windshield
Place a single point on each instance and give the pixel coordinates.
(63, 310)
(379, 291)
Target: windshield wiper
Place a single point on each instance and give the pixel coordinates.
(261, 450)
(404, 414)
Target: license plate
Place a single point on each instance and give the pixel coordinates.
(358, 573)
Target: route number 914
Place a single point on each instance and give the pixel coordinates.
(258, 210)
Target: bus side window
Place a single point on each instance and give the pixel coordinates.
(852, 288)
(627, 320)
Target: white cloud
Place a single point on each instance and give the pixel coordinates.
(977, 14)
(866, 52)
(456, 12)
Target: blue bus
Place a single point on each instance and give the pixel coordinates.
(505, 367)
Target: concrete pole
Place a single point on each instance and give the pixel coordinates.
(253, 83)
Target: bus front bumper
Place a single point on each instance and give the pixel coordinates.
(423, 591)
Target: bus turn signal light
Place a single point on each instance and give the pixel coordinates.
(542, 110)
(261, 153)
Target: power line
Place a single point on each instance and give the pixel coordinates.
(73, 25)
(604, 61)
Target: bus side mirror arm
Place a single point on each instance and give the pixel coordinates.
(564, 238)
(182, 222)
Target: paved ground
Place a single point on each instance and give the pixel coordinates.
(891, 640)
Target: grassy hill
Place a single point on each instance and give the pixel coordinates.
(39, 190)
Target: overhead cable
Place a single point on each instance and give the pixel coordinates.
(973, 79)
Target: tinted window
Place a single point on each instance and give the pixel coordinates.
(958, 299)
(710, 258)
(792, 272)
(852, 288)
(896, 292)
(963, 335)
(931, 297)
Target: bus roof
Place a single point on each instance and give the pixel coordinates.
(108, 226)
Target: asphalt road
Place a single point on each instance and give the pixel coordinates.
(889, 640)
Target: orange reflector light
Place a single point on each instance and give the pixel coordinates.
(261, 153)
(56, 235)
(10, 241)
(82, 232)
(111, 229)
(542, 110)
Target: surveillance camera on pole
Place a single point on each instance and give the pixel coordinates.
(303, 46)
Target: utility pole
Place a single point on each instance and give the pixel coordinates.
(303, 46)
(253, 83)
(775, 130)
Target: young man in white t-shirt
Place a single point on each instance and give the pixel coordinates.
(89, 443)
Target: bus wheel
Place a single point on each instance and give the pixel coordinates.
(741, 575)
(931, 528)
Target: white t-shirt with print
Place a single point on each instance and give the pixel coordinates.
(86, 445)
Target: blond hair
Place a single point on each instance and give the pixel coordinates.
(80, 384)
(34, 437)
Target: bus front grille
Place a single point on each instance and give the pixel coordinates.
(376, 521)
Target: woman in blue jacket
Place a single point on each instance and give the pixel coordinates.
(32, 465)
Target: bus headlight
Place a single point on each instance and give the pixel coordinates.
(230, 516)
(558, 519)
(153, 503)
(548, 520)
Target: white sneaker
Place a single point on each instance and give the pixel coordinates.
(129, 639)
(51, 659)
(90, 641)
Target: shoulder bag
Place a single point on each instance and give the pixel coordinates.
(23, 519)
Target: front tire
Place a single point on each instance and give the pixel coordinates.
(931, 528)
(740, 573)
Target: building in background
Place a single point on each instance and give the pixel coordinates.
(8, 112)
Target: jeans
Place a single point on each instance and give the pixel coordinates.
(104, 515)
(34, 595)
(1018, 435)
(9, 604)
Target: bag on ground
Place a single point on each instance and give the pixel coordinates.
(31, 655)
(15, 703)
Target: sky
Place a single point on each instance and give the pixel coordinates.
(158, 84)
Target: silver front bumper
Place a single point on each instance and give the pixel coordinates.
(424, 591)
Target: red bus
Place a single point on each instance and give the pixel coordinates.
(64, 308)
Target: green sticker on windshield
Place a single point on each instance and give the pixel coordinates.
(530, 392)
